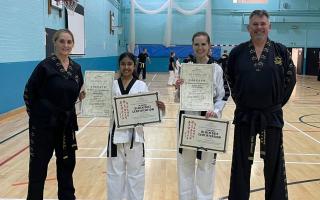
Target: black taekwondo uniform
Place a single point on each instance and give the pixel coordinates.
(50, 96)
(142, 65)
(259, 88)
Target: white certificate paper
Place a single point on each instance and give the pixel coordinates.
(203, 134)
(98, 87)
(196, 93)
(134, 110)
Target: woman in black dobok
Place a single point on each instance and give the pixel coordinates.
(50, 96)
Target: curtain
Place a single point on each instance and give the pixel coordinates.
(169, 5)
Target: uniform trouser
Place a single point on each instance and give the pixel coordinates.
(171, 79)
(43, 141)
(274, 165)
(142, 66)
(126, 172)
(196, 177)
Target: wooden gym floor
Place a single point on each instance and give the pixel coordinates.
(301, 145)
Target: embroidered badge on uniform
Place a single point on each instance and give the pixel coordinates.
(277, 60)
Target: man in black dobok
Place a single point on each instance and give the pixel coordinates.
(262, 76)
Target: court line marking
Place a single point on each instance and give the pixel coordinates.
(103, 152)
(154, 76)
(13, 156)
(27, 182)
(174, 150)
(14, 135)
(256, 161)
(289, 183)
(85, 126)
(303, 132)
(23, 149)
(90, 148)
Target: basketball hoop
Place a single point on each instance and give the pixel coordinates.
(69, 4)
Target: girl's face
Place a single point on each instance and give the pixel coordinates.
(201, 46)
(126, 67)
(63, 44)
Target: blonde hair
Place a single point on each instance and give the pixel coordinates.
(58, 33)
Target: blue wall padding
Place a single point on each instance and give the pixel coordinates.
(182, 51)
(216, 53)
(100, 63)
(16, 74)
(13, 80)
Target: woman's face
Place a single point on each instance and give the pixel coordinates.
(63, 44)
(201, 46)
(126, 67)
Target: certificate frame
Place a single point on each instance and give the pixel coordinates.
(134, 110)
(98, 86)
(196, 93)
(203, 134)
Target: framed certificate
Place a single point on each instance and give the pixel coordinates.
(134, 110)
(196, 93)
(203, 134)
(98, 101)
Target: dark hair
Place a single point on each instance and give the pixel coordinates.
(171, 53)
(259, 13)
(58, 33)
(131, 57)
(201, 34)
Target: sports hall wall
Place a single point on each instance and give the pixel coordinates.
(295, 23)
(23, 36)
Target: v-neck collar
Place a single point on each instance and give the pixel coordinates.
(126, 91)
(66, 73)
(259, 63)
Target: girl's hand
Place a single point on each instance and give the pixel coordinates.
(82, 95)
(179, 82)
(210, 113)
(161, 105)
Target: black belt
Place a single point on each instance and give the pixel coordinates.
(258, 114)
(64, 116)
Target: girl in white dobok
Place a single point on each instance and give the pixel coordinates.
(126, 162)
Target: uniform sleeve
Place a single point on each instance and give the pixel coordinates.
(226, 88)
(219, 103)
(145, 89)
(81, 81)
(289, 77)
(31, 91)
(229, 75)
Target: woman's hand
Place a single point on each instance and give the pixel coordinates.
(161, 106)
(211, 113)
(179, 82)
(82, 95)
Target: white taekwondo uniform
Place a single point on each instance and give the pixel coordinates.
(126, 162)
(196, 176)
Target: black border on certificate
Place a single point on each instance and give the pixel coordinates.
(181, 145)
(132, 125)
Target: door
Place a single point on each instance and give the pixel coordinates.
(312, 61)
